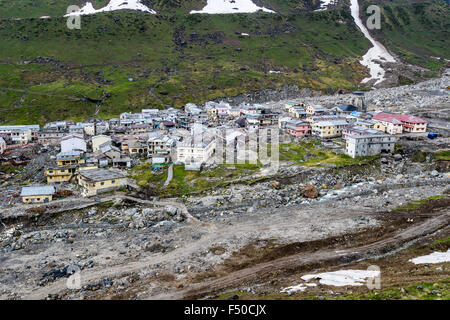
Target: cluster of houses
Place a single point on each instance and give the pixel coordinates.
(92, 153)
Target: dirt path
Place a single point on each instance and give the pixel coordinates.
(263, 270)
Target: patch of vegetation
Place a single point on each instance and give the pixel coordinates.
(419, 156)
(414, 205)
(194, 182)
(442, 156)
(439, 290)
(310, 154)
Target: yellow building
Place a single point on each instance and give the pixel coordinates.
(328, 129)
(59, 175)
(377, 125)
(98, 181)
(69, 158)
(37, 194)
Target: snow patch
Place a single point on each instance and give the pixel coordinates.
(230, 6)
(295, 289)
(377, 52)
(435, 257)
(324, 4)
(113, 5)
(343, 277)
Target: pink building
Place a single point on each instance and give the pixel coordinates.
(298, 128)
(410, 124)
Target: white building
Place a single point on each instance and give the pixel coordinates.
(99, 140)
(73, 143)
(369, 145)
(18, 134)
(192, 151)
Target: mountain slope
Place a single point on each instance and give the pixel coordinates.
(173, 57)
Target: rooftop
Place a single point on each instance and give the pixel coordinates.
(37, 191)
(95, 175)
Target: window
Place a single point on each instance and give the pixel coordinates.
(102, 183)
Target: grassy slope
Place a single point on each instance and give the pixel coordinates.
(416, 31)
(170, 66)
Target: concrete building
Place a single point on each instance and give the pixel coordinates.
(59, 175)
(328, 129)
(69, 158)
(191, 151)
(99, 140)
(369, 145)
(97, 181)
(73, 143)
(37, 194)
(398, 123)
(159, 144)
(17, 134)
(315, 110)
(298, 128)
(52, 138)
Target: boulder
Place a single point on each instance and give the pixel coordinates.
(309, 191)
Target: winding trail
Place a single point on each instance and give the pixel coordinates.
(377, 53)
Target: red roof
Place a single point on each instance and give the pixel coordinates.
(389, 117)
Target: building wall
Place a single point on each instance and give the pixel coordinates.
(369, 146)
(73, 144)
(99, 140)
(37, 199)
(94, 188)
(327, 131)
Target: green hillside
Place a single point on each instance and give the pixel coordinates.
(173, 58)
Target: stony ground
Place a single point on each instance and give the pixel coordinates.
(148, 249)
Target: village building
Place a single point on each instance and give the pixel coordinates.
(37, 194)
(315, 110)
(372, 124)
(369, 145)
(17, 134)
(298, 128)
(76, 129)
(298, 112)
(73, 143)
(328, 129)
(282, 121)
(70, 158)
(159, 144)
(392, 125)
(192, 151)
(358, 130)
(97, 181)
(408, 123)
(344, 109)
(58, 175)
(139, 128)
(136, 147)
(122, 163)
(50, 138)
(99, 140)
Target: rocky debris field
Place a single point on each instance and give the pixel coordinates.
(122, 241)
(423, 98)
